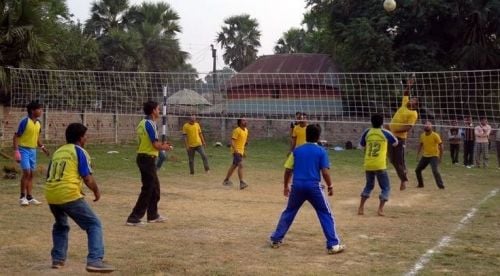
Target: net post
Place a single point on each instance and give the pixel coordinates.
(83, 117)
(115, 125)
(45, 116)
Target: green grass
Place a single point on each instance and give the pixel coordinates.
(216, 231)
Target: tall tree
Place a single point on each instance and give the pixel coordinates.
(292, 41)
(240, 38)
(74, 49)
(420, 35)
(156, 26)
(106, 15)
(25, 32)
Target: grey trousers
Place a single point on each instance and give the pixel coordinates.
(201, 151)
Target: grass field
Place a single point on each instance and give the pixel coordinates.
(212, 230)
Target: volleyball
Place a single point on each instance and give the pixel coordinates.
(389, 5)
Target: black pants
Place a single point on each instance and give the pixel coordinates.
(150, 190)
(454, 149)
(422, 164)
(397, 158)
(498, 152)
(468, 153)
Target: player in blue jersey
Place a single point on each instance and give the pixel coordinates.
(307, 164)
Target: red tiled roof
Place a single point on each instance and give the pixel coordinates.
(286, 69)
(292, 63)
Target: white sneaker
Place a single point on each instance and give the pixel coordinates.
(33, 201)
(159, 219)
(23, 201)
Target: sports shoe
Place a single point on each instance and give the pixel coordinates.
(336, 249)
(159, 219)
(33, 201)
(276, 244)
(57, 264)
(227, 183)
(243, 185)
(139, 223)
(99, 267)
(23, 201)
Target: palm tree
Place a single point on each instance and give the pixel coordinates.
(106, 15)
(156, 26)
(291, 42)
(25, 32)
(240, 38)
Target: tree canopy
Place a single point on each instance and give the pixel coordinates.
(418, 36)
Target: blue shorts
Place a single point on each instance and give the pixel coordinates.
(237, 158)
(28, 158)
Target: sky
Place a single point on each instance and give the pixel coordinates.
(200, 21)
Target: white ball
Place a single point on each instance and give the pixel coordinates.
(389, 5)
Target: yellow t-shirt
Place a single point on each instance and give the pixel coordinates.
(300, 134)
(430, 144)
(28, 132)
(289, 162)
(403, 116)
(147, 134)
(64, 177)
(192, 132)
(239, 137)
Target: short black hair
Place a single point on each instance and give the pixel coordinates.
(313, 132)
(238, 122)
(149, 106)
(377, 120)
(298, 113)
(74, 132)
(33, 106)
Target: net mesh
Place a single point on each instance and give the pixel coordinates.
(325, 97)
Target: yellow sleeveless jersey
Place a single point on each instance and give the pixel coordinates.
(375, 141)
(147, 134)
(64, 177)
(28, 132)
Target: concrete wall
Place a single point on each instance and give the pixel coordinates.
(108, 128)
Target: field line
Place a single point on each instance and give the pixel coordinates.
(424, 259)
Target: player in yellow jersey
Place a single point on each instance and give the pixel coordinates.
(299, 132)
(239, 140)
(68, 170)
(431, 147)
(25, 142)
(402, 122)
(194, 142)
(147, 153)
(375, 140)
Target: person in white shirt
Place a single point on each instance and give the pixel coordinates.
(482, 134)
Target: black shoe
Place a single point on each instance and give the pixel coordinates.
(99, 267)
(57, 264)
(276, 244)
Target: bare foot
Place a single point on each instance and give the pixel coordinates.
(403, 185)
(381, 213)
(361, 212)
